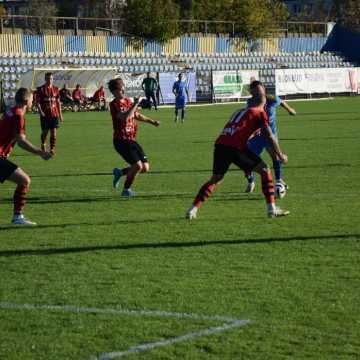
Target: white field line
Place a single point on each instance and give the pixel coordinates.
(110, 311)
(241, 102)
(175, 340)
(228, 324)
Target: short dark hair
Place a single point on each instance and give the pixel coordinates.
(22, 95)
(48, 74)
(255, 83)
(114, 84)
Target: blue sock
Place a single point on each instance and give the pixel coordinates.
(182, 114)
(277, 169)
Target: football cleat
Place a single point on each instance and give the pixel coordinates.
(277, 212)
(21, 220)
(250, 187)
(192, 213)
(117, 175)
(127, 193)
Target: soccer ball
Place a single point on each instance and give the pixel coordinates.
(280, 190)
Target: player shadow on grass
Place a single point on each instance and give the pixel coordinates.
(223, 196)
(170, 245)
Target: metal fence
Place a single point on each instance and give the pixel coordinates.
(106, 26)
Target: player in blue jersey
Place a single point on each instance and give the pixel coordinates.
(259, 142)
(180, 89)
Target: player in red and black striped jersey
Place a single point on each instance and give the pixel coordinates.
(231, 148)
(48, 103)
(12, 131)
(125, 115)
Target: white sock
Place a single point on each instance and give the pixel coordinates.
(271, 207)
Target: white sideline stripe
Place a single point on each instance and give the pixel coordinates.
(150, 313)
(186, 337)
(228, 323)
(242, 102)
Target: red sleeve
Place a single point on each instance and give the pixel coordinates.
(20, 124)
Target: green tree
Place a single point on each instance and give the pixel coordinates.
(2, 10)
(151, 19)
(347, 13)
(319, 10)
(252, 18)
(44, 10)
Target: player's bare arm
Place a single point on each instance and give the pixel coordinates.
(145, 119)
(40, 110)
(60, 111)
(288, 108)
(274, 144)
(25, 144)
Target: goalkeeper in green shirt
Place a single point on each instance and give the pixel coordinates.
(149, 85)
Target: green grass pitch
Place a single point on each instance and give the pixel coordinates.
(296, 279)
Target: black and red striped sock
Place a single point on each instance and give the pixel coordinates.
(204, 193)
(52, 140)
(20, 198)
(43, 139)
(268, 186)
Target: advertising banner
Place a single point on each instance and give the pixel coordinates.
(311, 81)
(233, 84)
(90, 79)
(133, 83)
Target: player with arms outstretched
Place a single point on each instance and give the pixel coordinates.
(48, 103)
(12, 131)
(231, 148)
(125, 115)
(259, 141)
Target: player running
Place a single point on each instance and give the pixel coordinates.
(124, 116)
(259, 142)
(179, 90)
(48, 103)
(12, 131)
(231, 147)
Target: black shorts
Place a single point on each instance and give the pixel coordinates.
(130, 151)
(224, 156)
(50, 123)
(7, 168)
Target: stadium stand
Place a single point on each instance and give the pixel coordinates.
(19, 53)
